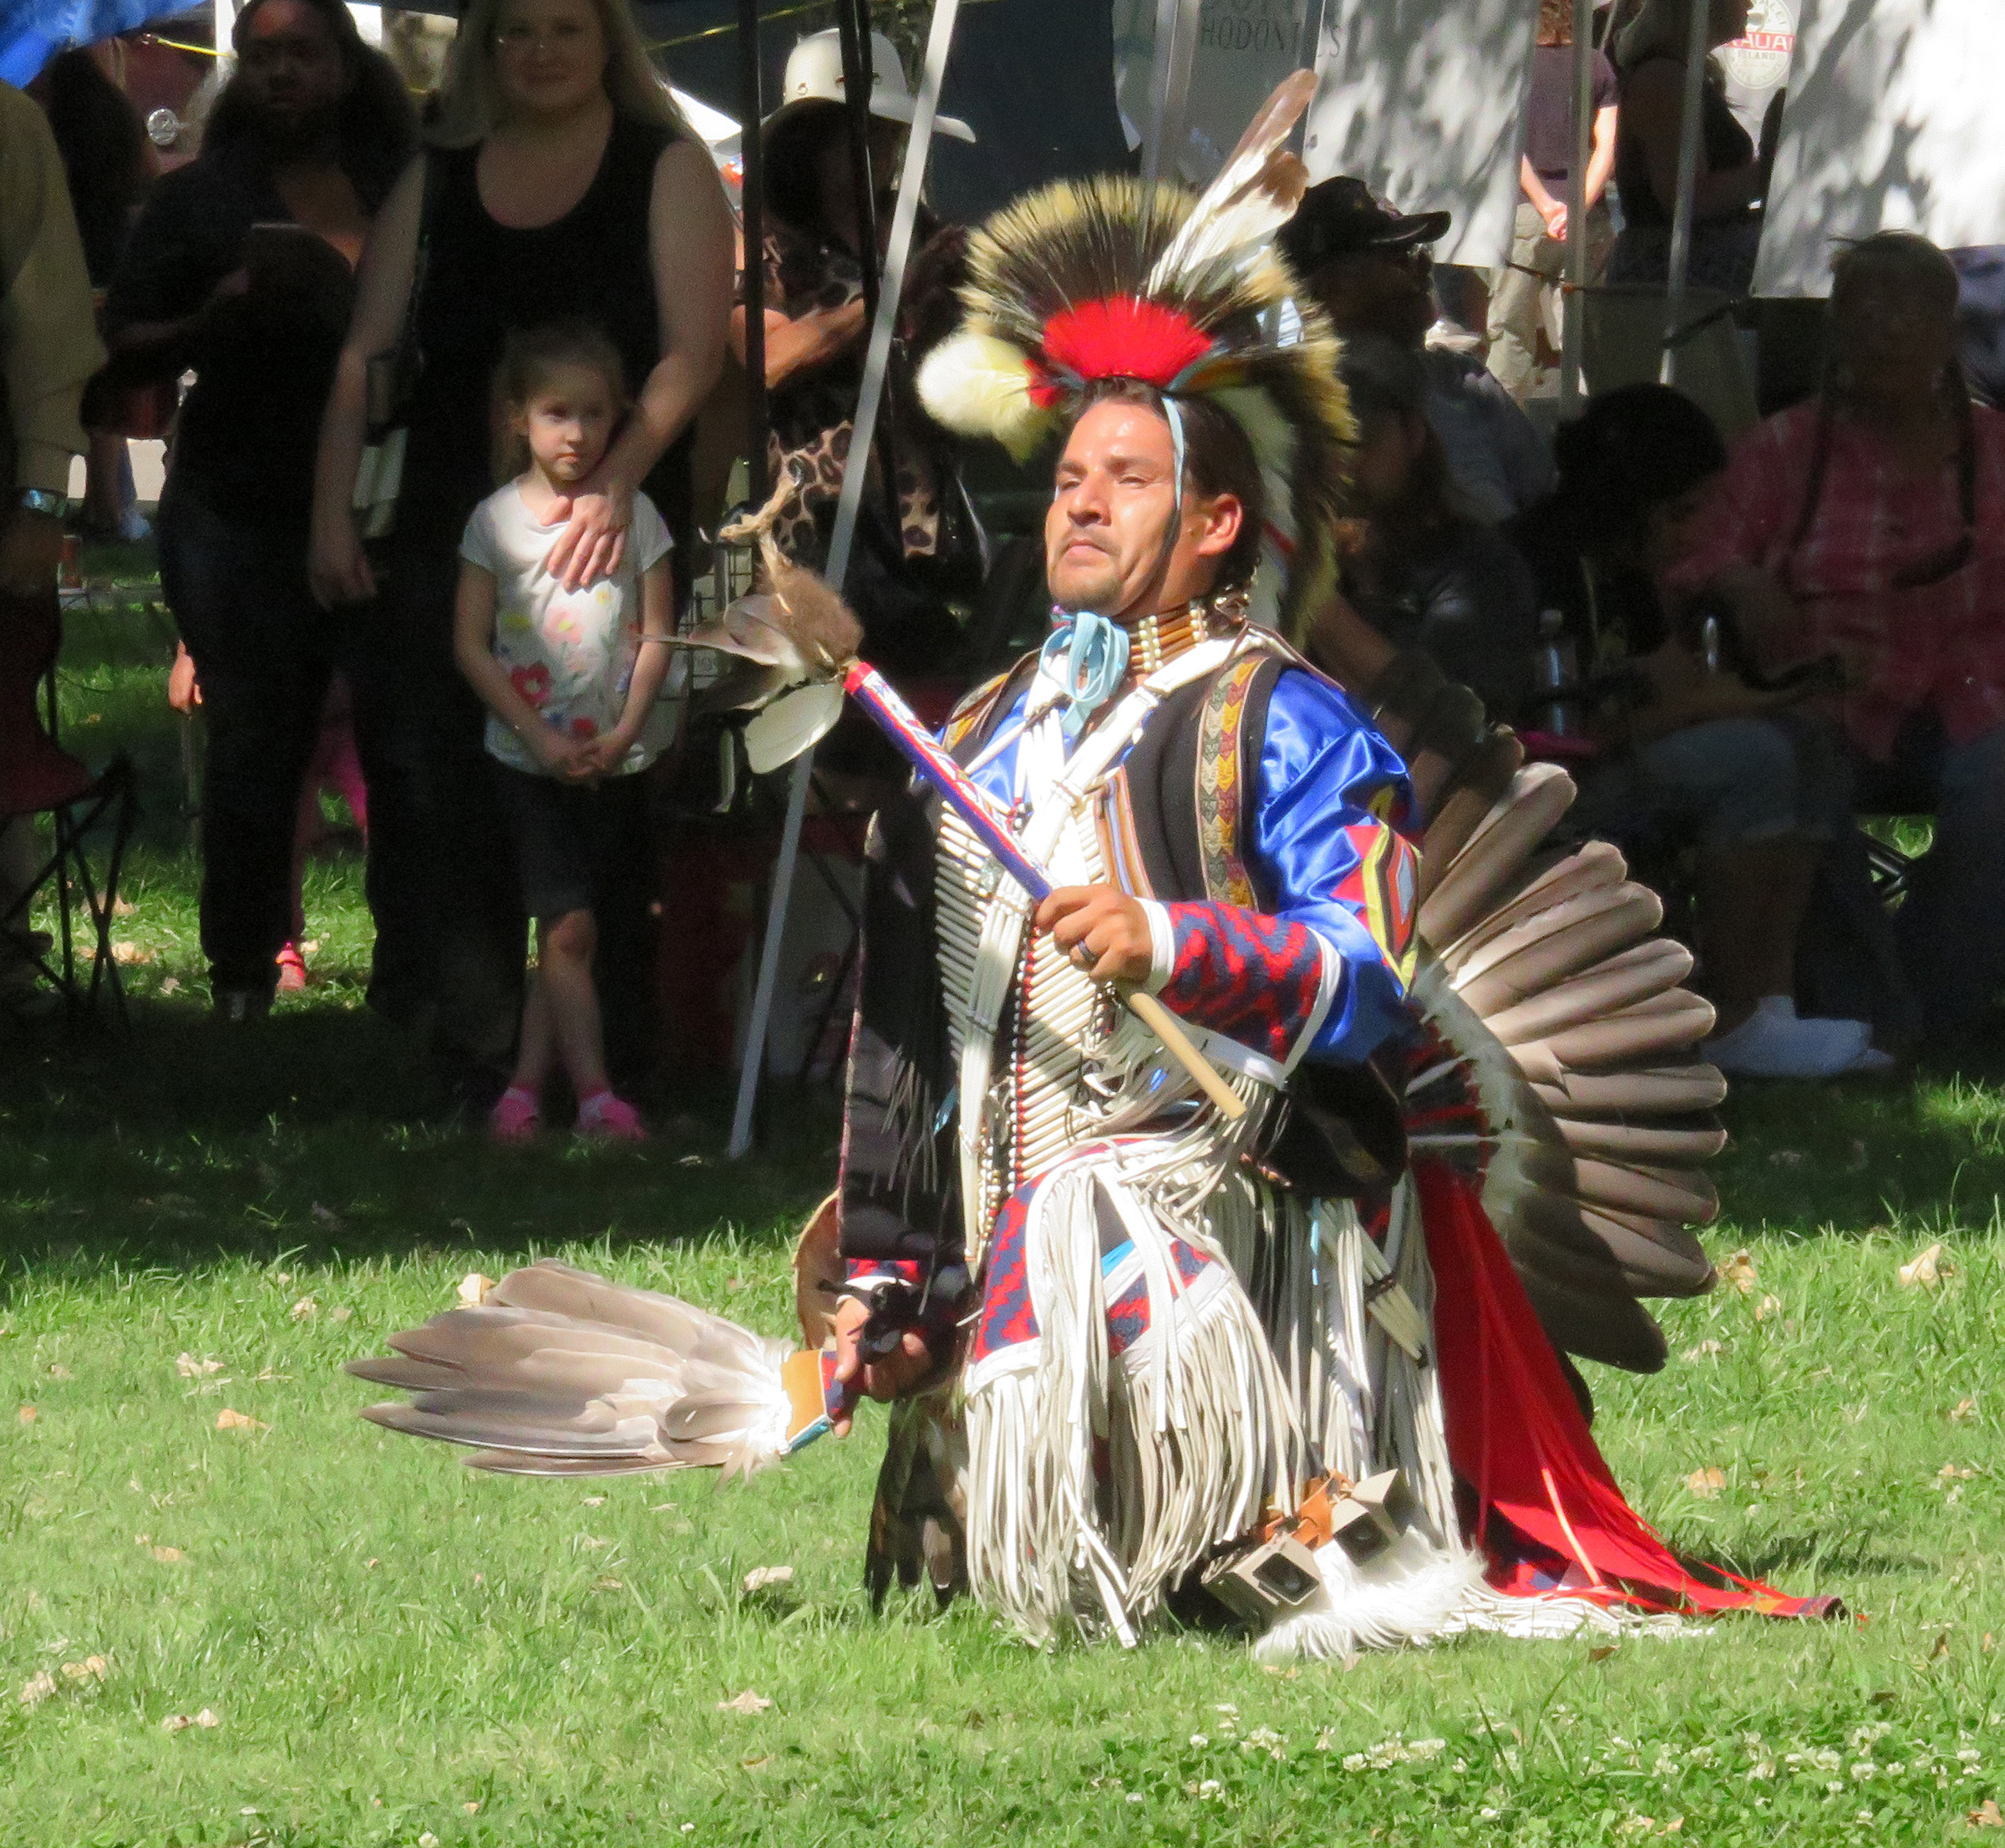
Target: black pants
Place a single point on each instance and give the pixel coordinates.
(469, 917)
(264, 652)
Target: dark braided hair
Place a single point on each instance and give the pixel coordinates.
(1929, 272)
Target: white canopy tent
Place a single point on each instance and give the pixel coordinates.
(1889, 125)
(1425, 100)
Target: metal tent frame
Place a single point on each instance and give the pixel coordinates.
(882, 295)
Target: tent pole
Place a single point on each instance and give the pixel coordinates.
(1168, 86)
(853, 27)
(876, 362)
(1680, 264)
(752, 218)
(1573, 304)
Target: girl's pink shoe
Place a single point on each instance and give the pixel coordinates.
(516, 1117)
(606, 1118)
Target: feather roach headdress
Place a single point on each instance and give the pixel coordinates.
(1107, 278)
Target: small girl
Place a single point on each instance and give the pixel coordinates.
(570, 678)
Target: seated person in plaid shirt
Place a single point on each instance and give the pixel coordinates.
(1869, 524)
(1690, 758)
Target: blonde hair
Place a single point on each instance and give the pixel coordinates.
(469, 103)
(529, 356)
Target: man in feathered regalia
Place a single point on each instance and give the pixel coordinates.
(1263, 1306)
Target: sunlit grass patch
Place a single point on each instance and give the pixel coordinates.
(309, 1633)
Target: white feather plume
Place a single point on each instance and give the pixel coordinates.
(979, 385)
(1256, 193)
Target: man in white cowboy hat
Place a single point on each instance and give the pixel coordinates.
(814, 77)
(815, 335)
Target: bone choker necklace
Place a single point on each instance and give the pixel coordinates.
(1155, 640)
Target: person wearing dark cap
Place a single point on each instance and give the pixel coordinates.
(1371, 268)
(816, 338)
(1414, 567)
(1691, 757)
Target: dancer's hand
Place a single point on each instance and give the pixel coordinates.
(1102, 929)
(884, 1379)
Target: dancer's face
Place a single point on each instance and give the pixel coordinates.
(1112, 510)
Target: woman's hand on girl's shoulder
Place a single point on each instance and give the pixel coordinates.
(594, 539)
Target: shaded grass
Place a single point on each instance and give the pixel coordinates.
(386, 1640)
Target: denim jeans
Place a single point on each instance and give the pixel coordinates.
(462, 868)
(1727, 783)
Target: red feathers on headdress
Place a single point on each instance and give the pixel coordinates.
(1119, 336)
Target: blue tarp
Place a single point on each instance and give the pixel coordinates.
(32, 31)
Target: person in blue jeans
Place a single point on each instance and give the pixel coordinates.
(1691, 755)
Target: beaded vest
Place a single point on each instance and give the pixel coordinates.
(1049, 1046)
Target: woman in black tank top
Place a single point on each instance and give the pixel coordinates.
(1650, 55)
(558, 185)
(484, 278)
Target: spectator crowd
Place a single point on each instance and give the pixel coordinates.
(432, 505)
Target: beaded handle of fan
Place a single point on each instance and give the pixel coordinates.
(903, 726)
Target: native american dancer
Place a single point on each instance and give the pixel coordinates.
(1277, 1326)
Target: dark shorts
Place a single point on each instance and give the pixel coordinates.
(571, 840)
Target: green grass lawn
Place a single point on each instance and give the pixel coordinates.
(393, 1651)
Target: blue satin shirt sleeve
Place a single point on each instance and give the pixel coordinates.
(1325, 849)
